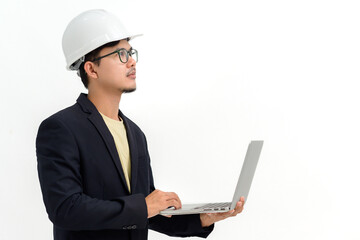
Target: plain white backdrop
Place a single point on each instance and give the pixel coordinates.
(212, 75)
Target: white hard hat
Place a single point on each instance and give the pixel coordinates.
(88, 31)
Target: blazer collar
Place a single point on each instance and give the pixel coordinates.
(97, 120)
(85, 104)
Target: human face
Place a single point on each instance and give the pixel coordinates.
(113, 75)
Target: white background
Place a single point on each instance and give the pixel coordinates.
(212, 75)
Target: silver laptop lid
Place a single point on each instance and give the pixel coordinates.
(247, 171)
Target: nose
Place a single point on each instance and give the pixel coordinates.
(131, 62)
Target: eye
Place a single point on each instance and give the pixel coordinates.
(122, 53)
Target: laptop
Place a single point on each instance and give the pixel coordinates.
(242, 187)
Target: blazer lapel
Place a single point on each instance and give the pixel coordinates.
(133, 152)
(96, 119)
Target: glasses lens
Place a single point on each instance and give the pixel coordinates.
(123, 55)
(134, 54)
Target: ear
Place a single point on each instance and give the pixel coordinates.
(90, 69)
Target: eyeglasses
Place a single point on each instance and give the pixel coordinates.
(123, 55)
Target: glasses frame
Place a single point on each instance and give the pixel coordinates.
(128, 53)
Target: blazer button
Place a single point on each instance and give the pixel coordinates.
(133, 226)
(125, 228)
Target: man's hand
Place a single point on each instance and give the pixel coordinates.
(158, 201)
(209, 218)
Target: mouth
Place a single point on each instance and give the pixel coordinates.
(132, 74)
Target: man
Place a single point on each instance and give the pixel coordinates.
(93, 163)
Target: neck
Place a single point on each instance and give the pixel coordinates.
(106, 103)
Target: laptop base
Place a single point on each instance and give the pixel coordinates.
(198, 208)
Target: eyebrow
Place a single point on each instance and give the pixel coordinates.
(124, 48)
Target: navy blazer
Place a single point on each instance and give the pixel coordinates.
(83, 184)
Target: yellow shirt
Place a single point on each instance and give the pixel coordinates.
(118, 131)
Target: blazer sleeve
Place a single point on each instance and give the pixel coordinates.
(67, 206)
(179, 225)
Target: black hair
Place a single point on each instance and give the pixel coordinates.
(89, 57)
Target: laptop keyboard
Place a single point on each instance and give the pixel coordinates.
(215, 206)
